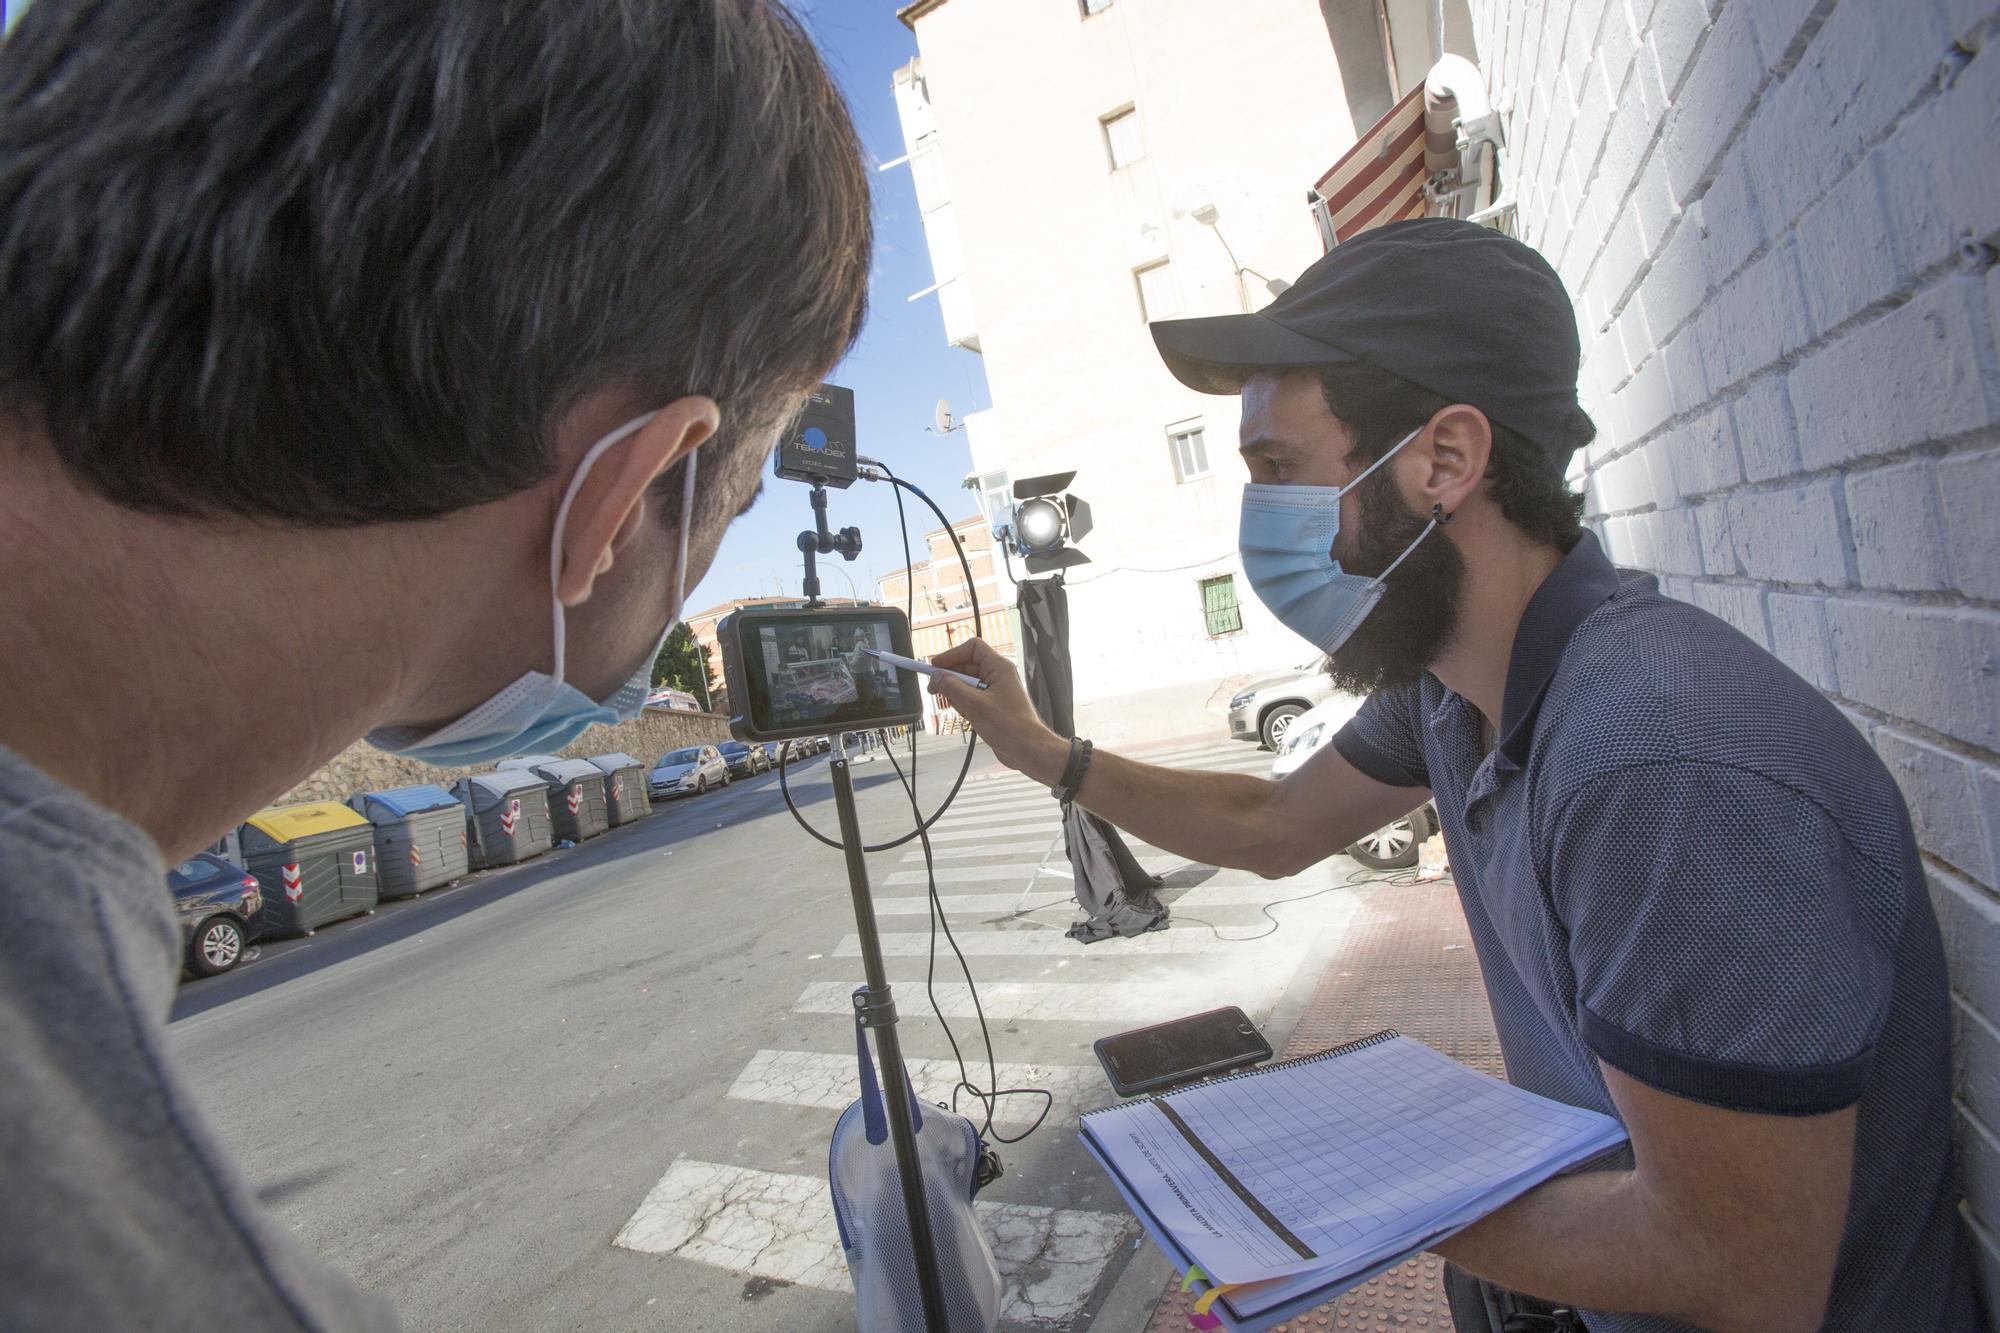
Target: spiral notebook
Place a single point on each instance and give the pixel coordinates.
(1289, 1184)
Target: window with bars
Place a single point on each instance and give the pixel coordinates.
(1159, 296)
(1121, 137)
(1189, 447)
(1219, 605)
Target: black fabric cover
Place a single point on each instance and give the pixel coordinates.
(1111, 885)
(1044, 607)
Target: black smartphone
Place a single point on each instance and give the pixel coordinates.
(1150, 1058)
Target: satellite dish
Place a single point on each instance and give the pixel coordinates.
(942, 418)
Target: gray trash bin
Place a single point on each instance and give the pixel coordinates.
(625, 796)
(420, 836)
(507, 814)
(316, 862)
(576, 794)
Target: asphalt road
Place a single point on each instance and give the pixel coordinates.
(595, 1091)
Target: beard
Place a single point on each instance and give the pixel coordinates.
(1418, 614)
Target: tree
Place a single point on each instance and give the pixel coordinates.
(682, 663)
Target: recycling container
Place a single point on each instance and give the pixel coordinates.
(625, 796)
(507, 814)
(420, 837)
(576, 794)
(316, 863)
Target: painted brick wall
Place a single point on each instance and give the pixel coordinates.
(1778, 219)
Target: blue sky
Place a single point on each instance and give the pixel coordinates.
(898, 370)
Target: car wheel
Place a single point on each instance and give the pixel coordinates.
(701, 786)
(217, 946)
(1394, 846)
(1279, 721)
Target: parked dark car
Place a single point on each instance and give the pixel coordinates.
(744, 760)
(218, 903)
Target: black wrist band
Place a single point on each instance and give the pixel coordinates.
(1073, 771)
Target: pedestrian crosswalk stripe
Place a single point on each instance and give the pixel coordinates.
(1020, 792)
(956, 834)
(1142, 850)
(1194, 900)
(780, 1226)
(1017, 791)
(1216, 748)
(1049, 941)
(1024, 810)
(1172, 757)
(812, 1078)
(962, 853)
(1026, 799)
(1051, 818)
(1125, 1001)
(1018, 871)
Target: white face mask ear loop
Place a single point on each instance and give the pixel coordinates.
(1383, 459)
(1438, 517)
(595, 452)
(687, 519)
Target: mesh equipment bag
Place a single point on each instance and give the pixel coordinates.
(875, 1228)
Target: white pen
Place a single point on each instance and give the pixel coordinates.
(924, 668)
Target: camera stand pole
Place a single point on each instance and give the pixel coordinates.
(877, 1009)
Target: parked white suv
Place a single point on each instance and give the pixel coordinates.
(1391, 847)
(1263, 711)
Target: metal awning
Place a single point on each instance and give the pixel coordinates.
(1380, 179)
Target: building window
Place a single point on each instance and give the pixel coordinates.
(1190, 450)
(997, 495)
(1094, 6)
(1159, 297)
(1218, 604)
(1121, 137)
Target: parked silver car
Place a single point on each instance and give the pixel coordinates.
(1264, 711)
(688, 772)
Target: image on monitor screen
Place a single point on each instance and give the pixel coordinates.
(818, 674)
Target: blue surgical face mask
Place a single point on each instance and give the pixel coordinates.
(1287, 547)
(538, 713)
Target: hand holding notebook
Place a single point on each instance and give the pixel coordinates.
(1309, 1176)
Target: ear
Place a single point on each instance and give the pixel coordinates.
(1455, 448)
(610, 504)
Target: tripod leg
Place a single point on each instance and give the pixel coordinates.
(880, 1013)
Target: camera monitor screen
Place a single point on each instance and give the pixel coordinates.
(804, 673)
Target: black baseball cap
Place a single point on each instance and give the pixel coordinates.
(1457, 308)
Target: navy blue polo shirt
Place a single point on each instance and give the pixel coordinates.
(1681, 860)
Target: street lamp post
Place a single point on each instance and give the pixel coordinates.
(1210, 217)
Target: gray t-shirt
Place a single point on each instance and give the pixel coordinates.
(118, 1208)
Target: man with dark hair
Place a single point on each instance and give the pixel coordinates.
(387, 367)
(1693, 887)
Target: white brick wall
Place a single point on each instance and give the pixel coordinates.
(1780, 220)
